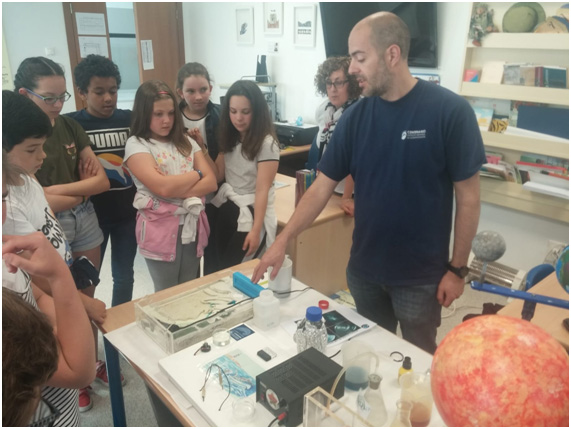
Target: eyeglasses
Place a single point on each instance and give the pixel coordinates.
(51, 100)
(337, 84)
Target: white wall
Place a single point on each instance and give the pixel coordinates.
(30, 28)
(292, 68)
(209, 32)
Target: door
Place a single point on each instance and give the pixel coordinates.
(159, 35)
(87, 33)
(160, 40)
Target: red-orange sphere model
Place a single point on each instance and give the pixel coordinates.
(501, 371)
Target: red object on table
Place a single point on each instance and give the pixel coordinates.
(501, 371)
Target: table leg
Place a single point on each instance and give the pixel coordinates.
(115, 387)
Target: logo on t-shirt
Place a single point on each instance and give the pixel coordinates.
(55, 235)
(71, 149)
(413, 135)
(108, 139)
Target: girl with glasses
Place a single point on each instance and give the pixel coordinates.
(70, 173)
(342, 90)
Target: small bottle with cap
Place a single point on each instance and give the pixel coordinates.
(266, 310)
(311, 331)
(406, 367)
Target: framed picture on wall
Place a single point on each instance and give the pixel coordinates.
(304, 25)
(245, 26)
(273, 18)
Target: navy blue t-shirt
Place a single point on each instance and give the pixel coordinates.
(404, 157)
(108, 137)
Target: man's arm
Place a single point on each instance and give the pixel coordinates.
(465, 226)
(308, 208)
(347, 203)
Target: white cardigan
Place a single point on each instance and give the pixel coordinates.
(245, 218)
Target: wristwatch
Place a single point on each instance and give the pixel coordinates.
(459, 271)
(199, 173)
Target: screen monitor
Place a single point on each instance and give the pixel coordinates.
(339, 18)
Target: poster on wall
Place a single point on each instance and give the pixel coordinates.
(245, 26)
(91, 23)
(273, 18)
(7, 80)
(304, 25)
(147, 54)
(93, 45)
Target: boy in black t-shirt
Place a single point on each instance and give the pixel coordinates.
(98, 80)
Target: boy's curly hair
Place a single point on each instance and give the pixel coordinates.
(95, 66)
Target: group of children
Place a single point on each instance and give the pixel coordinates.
(178, 177)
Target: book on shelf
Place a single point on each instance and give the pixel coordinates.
(550, 179)
(492, 72)
(304, 179)
(533, 166)
(483, 116)
(502, 171)
(512, 73)
(538, 76)
(527, 75)
(494, 157)
(542, 119)
(471, 75)
(555, 77)
(546, 189)
(545, 160)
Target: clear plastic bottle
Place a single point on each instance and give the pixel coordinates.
(402, 419)
(371, 404)
(311, 331)
(266, 310)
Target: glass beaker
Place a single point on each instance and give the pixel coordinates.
(415, 388)
(358, 360)
(402, 418)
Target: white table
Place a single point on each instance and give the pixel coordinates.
(141, 351)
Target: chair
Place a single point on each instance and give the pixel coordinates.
(538, 273)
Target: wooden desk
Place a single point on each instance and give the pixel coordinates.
(320, 253)
(292, 150)
(547, 317)
(123, 315)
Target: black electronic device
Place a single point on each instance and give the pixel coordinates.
(281, 389)
(339, 18)
(291, 135)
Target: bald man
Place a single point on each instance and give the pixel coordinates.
(411, 147)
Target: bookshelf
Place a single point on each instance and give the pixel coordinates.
(545, 49)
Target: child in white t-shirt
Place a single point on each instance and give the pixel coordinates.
(244, 220)
(172, 176)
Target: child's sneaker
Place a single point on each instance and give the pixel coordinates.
(85, 402)
(101, 374)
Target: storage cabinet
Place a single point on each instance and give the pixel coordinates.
(537, 48)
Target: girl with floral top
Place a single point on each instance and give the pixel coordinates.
(172, 177)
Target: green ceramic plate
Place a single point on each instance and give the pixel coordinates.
(522, 17)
